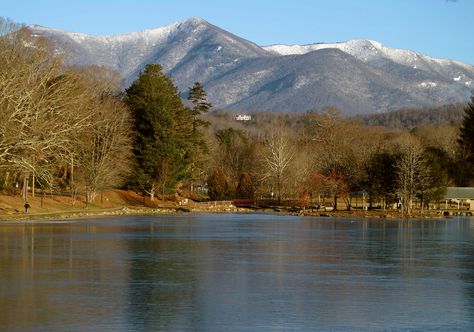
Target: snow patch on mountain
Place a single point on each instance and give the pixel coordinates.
(380, 56)
(362, 49)
(428, 84)
(148, 35)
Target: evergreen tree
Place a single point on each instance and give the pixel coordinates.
(466, 132)
(162, 127)
(246, 186)
(198, 98)
(381, 178)
(219, 185)
(439, 162)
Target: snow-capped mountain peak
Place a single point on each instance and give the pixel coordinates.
(378, 55)
(358, 76)
(363, 49)
(154, 34)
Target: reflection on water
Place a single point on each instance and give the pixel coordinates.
(237, 273)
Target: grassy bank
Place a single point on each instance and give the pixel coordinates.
(121, 202)
(48, 207)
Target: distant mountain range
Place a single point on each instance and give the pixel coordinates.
(357, 76)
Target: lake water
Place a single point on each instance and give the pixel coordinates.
(237, 272)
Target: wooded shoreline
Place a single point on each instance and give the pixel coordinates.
(119, 203)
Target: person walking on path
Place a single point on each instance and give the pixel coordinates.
(27, 207)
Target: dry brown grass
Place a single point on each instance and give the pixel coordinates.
(11, 206)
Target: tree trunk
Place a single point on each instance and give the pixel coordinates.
(25, 188)
(33, 185)
(5, 182)
(348, 203)
(152, 192)
(72, 173)
(73, 191)
(91, 194)
(163, 192)
(279, 189)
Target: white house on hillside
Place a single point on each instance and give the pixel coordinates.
(243, 117)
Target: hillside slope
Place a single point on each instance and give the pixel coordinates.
(359, 77)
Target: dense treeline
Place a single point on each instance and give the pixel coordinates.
(410, 118)
(65, 128)
(316, 154)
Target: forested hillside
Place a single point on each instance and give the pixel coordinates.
(409, 118)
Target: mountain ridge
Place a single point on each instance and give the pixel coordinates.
(364, 76)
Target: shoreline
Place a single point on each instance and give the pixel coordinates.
(80, 214)
(59, 208)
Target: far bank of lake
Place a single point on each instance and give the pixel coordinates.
(121, 202)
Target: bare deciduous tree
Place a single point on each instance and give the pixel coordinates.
(411, 169)
(278, 157)
(340, 146)
(103, 153)
(42, 107)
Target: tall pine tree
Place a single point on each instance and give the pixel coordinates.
(198, 98)
(466, 132)
(162, 128)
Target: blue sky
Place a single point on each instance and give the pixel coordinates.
(439, 28)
